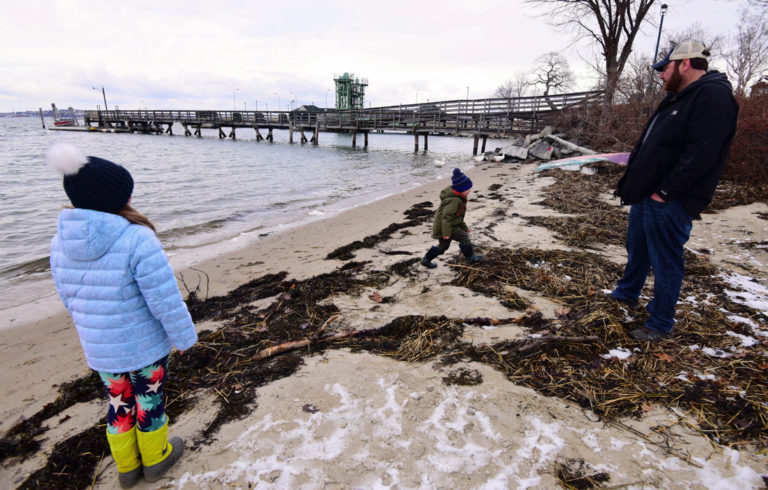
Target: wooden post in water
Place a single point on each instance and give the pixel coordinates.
(354, 139)
(187, 132)
(426, 141)
(290, 134)
(474, 146)
(269, 136)
(222, 135)
(303, 138)
(41, 117)
(366, 139)
(415, 141)
(232, 133)
(317, 133)
(485, 138)
(259, 137)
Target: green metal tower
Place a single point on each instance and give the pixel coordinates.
(350, 91)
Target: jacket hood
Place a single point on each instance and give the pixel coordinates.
(85, 234)
(448, 192)
(711, 77)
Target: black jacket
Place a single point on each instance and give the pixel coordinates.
(683, 148)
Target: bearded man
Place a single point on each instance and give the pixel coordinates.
(670, 179)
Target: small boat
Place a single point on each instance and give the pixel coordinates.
(65, 122)
(60, 120)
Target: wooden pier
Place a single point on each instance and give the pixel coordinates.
(480, 118)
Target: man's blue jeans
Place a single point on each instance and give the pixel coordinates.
(656, 235)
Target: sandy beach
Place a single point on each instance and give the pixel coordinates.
(349, 419)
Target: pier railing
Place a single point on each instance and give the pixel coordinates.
(486, 116)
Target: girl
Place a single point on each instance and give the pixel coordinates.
(115, 280)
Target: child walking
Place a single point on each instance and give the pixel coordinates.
(449, 221)
(114, 278)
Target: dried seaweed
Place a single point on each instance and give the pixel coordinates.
(573, 193)
(416, 214)
(724, 395)
(463, 377)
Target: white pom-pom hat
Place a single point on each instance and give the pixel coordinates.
(91, 182)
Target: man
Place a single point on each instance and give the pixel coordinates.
(671, 177)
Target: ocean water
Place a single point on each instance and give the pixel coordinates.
(204, 191)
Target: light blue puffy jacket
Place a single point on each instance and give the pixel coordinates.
(116, 282)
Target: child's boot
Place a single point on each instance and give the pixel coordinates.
(158, 454)
(470, 255)
(426, 261)
(125, 451)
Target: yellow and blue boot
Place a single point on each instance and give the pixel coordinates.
(158, 453)
(125, 451)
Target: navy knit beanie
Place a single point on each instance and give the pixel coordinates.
(459, 181)
(91, 182)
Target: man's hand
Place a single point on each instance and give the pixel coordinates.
(657, 198)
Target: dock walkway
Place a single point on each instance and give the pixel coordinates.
(480, 118)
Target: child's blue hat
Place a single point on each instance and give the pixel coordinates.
(460, 182)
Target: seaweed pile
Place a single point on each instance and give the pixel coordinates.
(710, 369)
(417, 214)
(572, 193)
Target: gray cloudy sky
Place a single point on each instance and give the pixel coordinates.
(215, 54)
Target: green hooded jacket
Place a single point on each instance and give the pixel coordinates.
(450, 214)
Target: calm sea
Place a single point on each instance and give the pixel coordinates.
(203, 191)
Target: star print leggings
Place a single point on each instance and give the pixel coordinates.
(136, 397)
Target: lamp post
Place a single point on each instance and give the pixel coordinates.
(658, 37)
(278, 100)
(104, 94)
(466, 105)
(234, 104)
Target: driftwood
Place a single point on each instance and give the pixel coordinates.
(556, 338)
(298, 344)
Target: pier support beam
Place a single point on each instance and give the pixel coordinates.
(269, 136)
(222, 135)
(316, 134)
(232, 133)
(259, 137)
(187, 132)
(415, 141)
(474, 146)
(290, 135)
(303, 138)
(426, 141)
(170, 129)
(366, 139)
(354, 139)
(485, 138)
(198, 133)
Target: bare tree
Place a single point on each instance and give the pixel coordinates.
(514, 87)
(613, 24)
(552, 72)
(638, 83)
(747, 57)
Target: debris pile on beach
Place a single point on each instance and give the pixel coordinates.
(541, 146)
